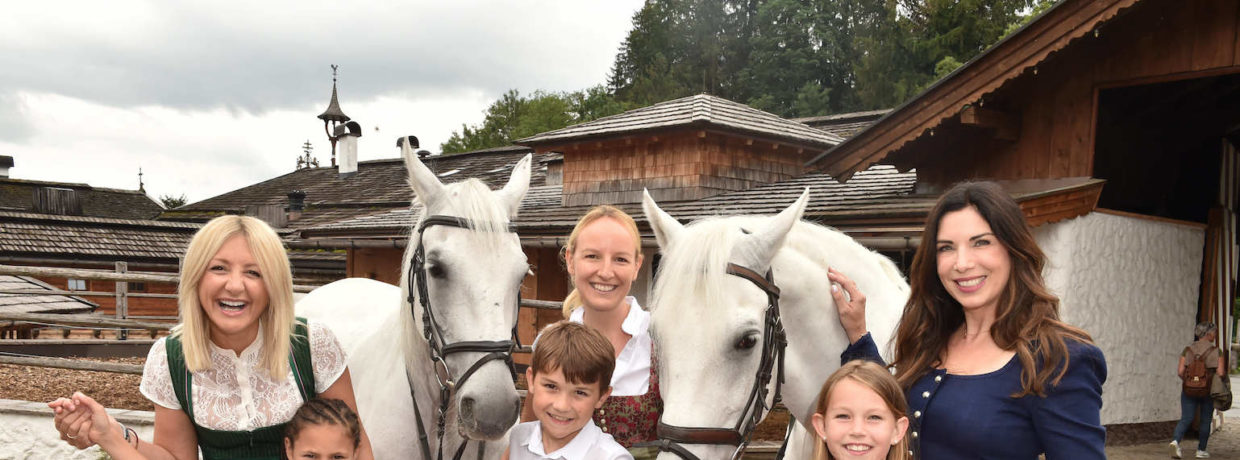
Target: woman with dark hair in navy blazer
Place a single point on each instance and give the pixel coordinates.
(989, 369)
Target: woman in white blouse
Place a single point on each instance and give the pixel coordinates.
(246, 362)
(603, 257)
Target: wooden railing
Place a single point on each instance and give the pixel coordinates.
(122, 322)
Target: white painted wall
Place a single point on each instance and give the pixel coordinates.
(26, 432)
(1133, 284)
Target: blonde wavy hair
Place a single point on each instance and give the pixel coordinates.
(598, 212)
(277, 321)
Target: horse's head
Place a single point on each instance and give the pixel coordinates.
(472, 266)
(710, 325)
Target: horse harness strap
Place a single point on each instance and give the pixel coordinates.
(771, 365)
(439, 349)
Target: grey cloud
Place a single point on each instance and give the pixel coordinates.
(208, 62)
(14, 128)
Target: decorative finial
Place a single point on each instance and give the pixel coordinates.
(334, 67)
(141, 186)
(306, 160)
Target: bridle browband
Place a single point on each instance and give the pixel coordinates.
(773, 344)
(439, 348)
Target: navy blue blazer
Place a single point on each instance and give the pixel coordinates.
(975, 417)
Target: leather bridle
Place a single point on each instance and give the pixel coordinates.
(440, 349)
(773, 344)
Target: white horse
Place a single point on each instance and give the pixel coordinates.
(473, 278)
(708, 324)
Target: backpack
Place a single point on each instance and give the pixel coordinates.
(1197, 376)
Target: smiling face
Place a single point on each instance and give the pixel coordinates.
(562, 407)
(857, 423)
(233, 295)
(973, 265)
(321, 442)
(603, 263)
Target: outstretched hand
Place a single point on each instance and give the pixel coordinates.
(83, 422)
(70, 420)
(850, 303)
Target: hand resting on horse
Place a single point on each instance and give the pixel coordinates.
(850, 303)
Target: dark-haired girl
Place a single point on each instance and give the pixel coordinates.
(989, 369)
(325, 429)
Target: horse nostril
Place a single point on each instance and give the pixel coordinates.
(467, 408)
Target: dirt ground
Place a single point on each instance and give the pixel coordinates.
(113, 390)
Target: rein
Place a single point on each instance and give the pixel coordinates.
(440, 349)
(772, 364)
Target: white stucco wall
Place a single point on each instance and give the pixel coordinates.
(1133, 284)
(26, 432)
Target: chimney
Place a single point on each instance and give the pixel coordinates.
(346, 136)
(6, 162)
(296, 204)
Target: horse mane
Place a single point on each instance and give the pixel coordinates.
(702, 259)
(471, 199)
(700, 262)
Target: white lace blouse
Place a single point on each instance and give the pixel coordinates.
(235, 394)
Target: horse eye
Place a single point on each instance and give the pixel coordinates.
(436, 271)
(747, 342)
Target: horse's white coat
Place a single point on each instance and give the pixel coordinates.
(382, 332)
(699, 312)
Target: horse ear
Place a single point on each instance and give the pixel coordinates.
(760, 247)
(514, 191)
(425, 185)
(666, 228)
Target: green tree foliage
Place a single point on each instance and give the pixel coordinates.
(170, 201)
(794, 58)
(805, 57)
(514, 116)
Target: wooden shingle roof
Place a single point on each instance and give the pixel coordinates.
(378, 187)
(38, 303)
(881, 191)
(700, 111)
(94, 238)
(18, 195)
(844, 125)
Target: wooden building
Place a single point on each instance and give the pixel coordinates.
(1141, 94)
(71, 225)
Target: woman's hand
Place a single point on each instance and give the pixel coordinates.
(100, 427)
(70, 420)
(851, 306)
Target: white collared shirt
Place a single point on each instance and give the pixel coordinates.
(632, 374)
(591, 443)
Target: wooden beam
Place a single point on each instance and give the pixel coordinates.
(77, 364)
(1005, 125)
(84, 321)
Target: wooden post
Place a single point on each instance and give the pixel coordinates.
(122, 299)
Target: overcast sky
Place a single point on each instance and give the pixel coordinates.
(208, 97)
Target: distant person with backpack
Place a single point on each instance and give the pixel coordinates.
(1199, 362)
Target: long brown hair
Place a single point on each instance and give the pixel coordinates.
(1027, 319)
(876, 378)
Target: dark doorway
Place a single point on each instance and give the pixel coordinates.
(1159, 145)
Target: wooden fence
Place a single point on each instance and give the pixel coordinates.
(122, 322)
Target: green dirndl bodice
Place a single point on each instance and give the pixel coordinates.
(264, 443)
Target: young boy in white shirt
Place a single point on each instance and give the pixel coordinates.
(568, 379)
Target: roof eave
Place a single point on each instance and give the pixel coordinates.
(842, 161)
